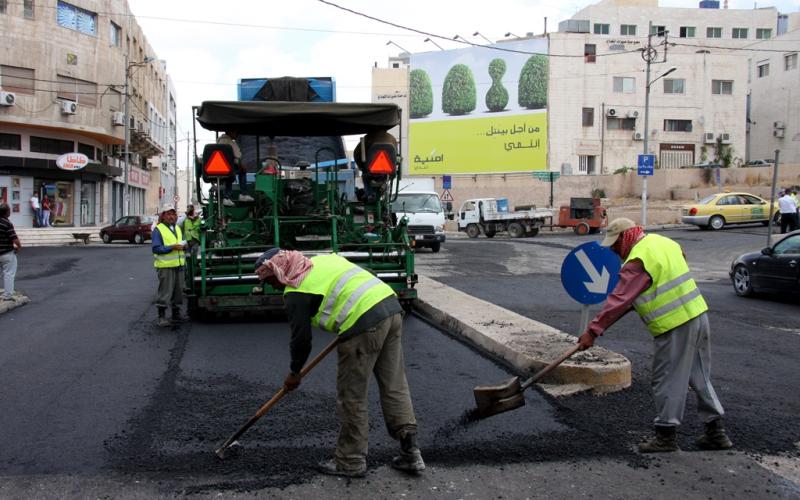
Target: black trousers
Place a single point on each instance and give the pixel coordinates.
(788, 222)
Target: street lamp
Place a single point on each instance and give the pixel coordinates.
(429, 40)
(647, 132)
(459, 37)
(478, 34)
(399, 47)
(126, 199)
(511, 34)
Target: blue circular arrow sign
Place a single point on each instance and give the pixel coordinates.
(589, 273)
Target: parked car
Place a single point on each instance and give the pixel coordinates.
(133, 228)
(774, 269)
(759, 163)
(718, 210)
(704, 165)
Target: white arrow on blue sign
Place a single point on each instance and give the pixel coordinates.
(590, 272)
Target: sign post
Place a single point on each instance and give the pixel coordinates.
(646, 165)
(589, 273)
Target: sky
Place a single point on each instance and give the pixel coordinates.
(209, 45)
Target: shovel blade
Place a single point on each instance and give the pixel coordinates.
(498, 398)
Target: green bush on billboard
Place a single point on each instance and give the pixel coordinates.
(421, 94)
(497, 96)
(458, 93)
(533, 83)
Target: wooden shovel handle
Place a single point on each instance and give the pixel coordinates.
(547, 369)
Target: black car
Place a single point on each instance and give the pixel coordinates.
(774, 269)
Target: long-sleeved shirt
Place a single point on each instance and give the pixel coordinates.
(787, 204)
(301, 307)
(158, 241)
(633, 280)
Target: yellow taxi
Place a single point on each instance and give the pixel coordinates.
(718, 210)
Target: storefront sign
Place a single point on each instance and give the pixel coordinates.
(72, 161)
(138, 178)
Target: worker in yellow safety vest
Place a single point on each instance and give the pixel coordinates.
(331, 293)
(168, 259)
(656, 282)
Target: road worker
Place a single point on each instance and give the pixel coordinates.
(168, 259)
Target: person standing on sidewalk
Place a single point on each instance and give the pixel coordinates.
(788, 208)
(9, 246)
(329, 292)
(46, 211)
(168, 260)
(656, 282)
(37, 210)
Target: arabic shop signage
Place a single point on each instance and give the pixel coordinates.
(72, 161)
(138, 178)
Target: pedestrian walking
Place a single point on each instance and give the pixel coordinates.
(9, 247)
(45, 211)
(37, 210)
(656, 282)
(788, 208)
(168, 244)
(329, 292)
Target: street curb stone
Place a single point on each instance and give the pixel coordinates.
(8, 305)
(525, 344)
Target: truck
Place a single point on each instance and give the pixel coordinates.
(491, 215)
(304, 192)
(424, 215)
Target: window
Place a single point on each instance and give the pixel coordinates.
(75, 18)
(658, 30)
(51, 146)
(625, 85)
(19, 80)
(28, 9)
(620, 123)
(713, 32)
(586, 164)
(601, 29)
(677, 125)
(11, 141)
(739, 32)
(80, 91)
(687, 32)
(3, 6)
(763, 70)
(589, 52)
(722, 87)
(790, 61)
(790, 245)
(115, 34)
(86, 149)
(763, 33)
(674, 85)
(588, 117)
(627, 30)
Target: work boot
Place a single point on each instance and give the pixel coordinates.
(177, 317)
(162, 317)
(663, 441)
(228, 202)
(245, 198)
(410, 458)
(714, 437)
(332, 468)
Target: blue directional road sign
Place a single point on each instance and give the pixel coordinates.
(646, 164)
(589, 273)
(447, 182)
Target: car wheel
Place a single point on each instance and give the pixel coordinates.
(435, 247)
(582, 229)
(473, 231)
(106, 238)
(741, 281)
(138, 239)
(515, 230)
(716, 222)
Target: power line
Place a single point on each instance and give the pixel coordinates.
(716, 47)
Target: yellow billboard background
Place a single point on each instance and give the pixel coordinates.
(499, 143)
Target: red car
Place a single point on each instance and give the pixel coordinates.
(133, 228)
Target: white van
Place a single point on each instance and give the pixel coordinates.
(425, 217)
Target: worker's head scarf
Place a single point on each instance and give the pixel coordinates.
(288, 266)
(628, 238)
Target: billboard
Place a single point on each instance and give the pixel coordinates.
(479, 110)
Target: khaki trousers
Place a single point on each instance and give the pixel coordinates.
(377, 350)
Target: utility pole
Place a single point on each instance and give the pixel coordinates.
(188, 162)
(125, 195)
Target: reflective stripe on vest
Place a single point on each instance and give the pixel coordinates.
(174, 258)
(673, 297)
(347, 290)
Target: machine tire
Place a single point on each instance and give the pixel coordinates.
(582, 229)
(533, 232)
(435, 247)
(716, 222)
(138, 239)
(473, 231)
(490, 234)
(516, 230)
(106, 238)
(742, 283)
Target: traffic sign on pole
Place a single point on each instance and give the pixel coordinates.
(646, 164)
(446, 196)
(447, 182)
(589, 273)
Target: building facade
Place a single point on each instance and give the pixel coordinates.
(63, 73)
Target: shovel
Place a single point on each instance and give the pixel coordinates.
(506, 396)
(222, 450)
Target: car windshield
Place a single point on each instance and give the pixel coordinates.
(417, 202)
(707, 200)
(148, 219)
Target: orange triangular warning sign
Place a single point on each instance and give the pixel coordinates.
(381, 164)
(217, 164)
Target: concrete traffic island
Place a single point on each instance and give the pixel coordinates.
(525, 344)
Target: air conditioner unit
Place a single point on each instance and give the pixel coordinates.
(8, 98)
(778, 133)
(779, 125)
(633, 114)
(708, 138)
(69, 107)
(140, 127)
(611, 112)
(118, 118)
(726, 138)
(637, 136)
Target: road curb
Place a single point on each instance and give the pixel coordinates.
(19, 301)
(525, 344)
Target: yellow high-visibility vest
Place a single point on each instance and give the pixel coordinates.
(174, 258)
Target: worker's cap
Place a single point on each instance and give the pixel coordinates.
(168, 207)
(617, 227)
(272, 252)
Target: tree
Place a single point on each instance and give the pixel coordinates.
(421, 92)
(458, 92)
(533, 83)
